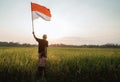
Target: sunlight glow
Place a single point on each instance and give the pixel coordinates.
(52, 29)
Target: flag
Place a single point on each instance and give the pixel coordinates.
(40, 11)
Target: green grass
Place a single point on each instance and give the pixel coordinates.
(19, 64)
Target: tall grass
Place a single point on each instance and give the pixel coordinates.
(63, 64)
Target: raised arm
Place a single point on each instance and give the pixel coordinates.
(35, 36)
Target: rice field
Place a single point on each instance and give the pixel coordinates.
(19, 64)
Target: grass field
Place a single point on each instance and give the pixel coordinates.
(19, 64)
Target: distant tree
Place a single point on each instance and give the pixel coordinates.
(14, 44)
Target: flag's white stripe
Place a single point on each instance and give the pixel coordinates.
(35, 16)
(38, 14)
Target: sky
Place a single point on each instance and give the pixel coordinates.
(73, 22)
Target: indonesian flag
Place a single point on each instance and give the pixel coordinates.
(40, 11)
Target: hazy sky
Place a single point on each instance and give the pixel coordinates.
(73, 21)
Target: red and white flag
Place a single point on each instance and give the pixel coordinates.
(40, 11)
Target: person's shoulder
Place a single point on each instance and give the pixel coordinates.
(45, 41)
(39, 39)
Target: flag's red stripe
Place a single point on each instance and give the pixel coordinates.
(41, 9)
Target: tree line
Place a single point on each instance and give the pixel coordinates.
(16, 44)
(108, 45)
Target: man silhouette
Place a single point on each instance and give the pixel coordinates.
(42, 53)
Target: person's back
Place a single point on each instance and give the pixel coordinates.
(42, 44)
(42, 52)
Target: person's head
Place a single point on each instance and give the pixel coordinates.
(44, 36)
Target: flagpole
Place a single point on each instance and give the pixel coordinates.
(32, 18)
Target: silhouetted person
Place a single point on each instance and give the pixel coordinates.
(42, 53)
